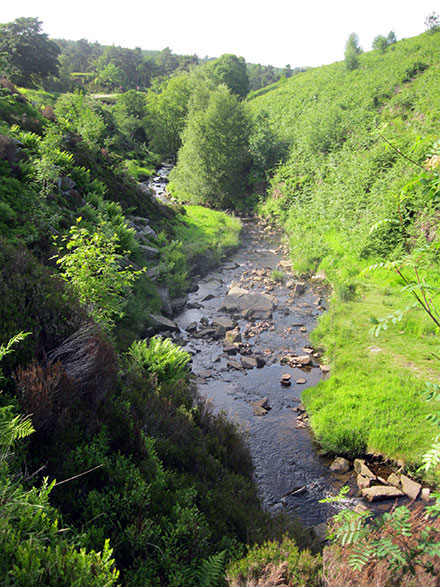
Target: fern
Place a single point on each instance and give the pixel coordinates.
(211, 570)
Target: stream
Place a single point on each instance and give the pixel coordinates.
(244, 379)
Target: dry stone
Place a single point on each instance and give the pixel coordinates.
(379, 492)
(409, 487)
(361, 469)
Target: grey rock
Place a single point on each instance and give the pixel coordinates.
(65, 183)
(194, 306)
(162, 323)
(256, 305)
(149, 252)
(224, 322)
(249, 362)
(178, 304)
(192, 327)
(340, 465)
(165, 304)
(363, 482)
(230, 349)
(393, 480)
(260, 407)
(426, 493)
(361, 469)
(233, 336)
(379, 492)
(410, 488)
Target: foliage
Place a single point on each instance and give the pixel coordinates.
(212, 161)
(91, 265)
(432, 22)
(231, 71)
(30, 54)
(381, 43)
(78, 113)
(166, 115)
(160, 357)
(352, 50)
(299, 567)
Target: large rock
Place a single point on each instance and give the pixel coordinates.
(409, 487)
(379, 492)
(249, 305)
(361, 469)
(340, 465)
(160, 323)
(233, 336)
(165, 304)
(260, 407)
(223, 322)
(249, 362)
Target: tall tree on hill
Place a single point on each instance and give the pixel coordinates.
(231, 71)
(30, 54)
(352, 52)
(213, 161)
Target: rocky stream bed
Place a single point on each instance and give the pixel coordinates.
(247, 329)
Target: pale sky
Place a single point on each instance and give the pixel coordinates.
(276, 32)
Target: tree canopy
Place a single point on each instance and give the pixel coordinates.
(30, 55)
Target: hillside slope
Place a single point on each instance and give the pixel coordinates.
(360, 187)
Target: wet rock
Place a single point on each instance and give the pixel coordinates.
(233, 336)
(192, 327)
(204, 321)
(208, 297)
(230, 349)
(340, 465)
(225, 322)
(393, 480)
(235, 365)
(165, 304)
(249, 362)
(204, 374)
(363, 482)
(206, 333)
(285, 379)
(301, 381)
(194, 306)
(379, 492)
(261, 361)
(178, 304)
(299, 288)
(426, 493)
(260, 407)
(360, 508)
(409, 487)
(249, 305)
(160, 323)
(361, 469)
(321, 531)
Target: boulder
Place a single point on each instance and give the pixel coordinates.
(261, 361)
(285, 379)
(192, 327)
(249, 362)
(230, 349)
(394, 480)
(260, 407)
(165, 304)
(224, 322)
(233, 336)
(361, 469)
(177, 304)
(340, 465)
(160, 323)
(379, 492)
(363, 482)
(235, 365)
(410, 488)
(426, 493)
(249, 305)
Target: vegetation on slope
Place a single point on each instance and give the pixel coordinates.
(350, 194)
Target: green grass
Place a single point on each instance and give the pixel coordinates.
(207, 233)
(373, 401)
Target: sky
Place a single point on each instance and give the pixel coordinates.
(275, 32)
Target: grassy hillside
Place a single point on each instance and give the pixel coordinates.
(360, 187)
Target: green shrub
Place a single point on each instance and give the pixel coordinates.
(160, 357)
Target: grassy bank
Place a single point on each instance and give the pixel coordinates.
(374, 400)
(207, 234)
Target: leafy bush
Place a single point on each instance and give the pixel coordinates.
(160, 357)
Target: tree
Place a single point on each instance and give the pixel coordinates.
(213, 161)
(232, 71)
(166, 115)
(31, 55)
(432, 22)
(92, 266)
(380, 43)
(352, 52)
